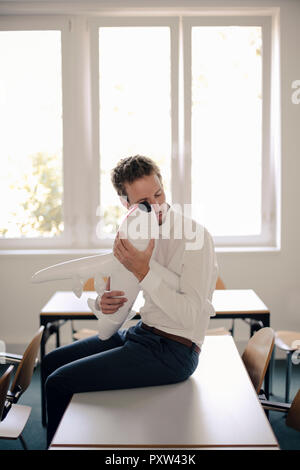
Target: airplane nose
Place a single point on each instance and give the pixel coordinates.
(145, 206)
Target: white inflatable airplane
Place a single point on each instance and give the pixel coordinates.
(138, 226)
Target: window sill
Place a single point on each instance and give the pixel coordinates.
(97, 251)
(56, 251)
(248, 249)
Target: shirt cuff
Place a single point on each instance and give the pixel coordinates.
(151, 281)
(96, 303)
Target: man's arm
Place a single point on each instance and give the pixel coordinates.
(172, 279)
(197, 283)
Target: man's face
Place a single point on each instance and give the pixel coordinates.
(148, 188)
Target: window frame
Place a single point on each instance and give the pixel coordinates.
(130, 21)
(48, 23)
(81, 117)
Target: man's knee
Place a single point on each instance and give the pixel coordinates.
(49, 363)
(57, 382)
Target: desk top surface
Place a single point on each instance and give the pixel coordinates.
(216, 407)
(226, 301)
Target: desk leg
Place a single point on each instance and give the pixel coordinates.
(272, 371)
(268, 379)
(265, 318)
(57, 336)
(42, 355)
(51, 327)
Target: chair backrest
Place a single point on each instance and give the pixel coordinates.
(257, 355)
(89, 284)
(4, 386)
(220, 284)
(293, 416)
(25, 369)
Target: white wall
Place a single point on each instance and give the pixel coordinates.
(273, 275)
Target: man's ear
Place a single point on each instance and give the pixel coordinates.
(124, 201)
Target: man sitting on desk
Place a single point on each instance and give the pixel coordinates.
(163, 347)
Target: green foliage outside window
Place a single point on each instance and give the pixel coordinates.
(38, 212)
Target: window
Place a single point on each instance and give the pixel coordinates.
(135, 104)
(31, 134)
(227, 127)
(228, 80)
(79, 93)
(32, 183)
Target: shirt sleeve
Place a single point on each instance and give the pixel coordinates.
(196, 285)
(100, 287)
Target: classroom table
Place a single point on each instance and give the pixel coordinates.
(229, 303)
(217, 407)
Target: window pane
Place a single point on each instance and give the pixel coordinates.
(31, 134)
(135, 104)
(227, 128)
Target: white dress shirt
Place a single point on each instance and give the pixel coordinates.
(184, 311)
(181, 280)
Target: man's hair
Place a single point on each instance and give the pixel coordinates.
(131, 169)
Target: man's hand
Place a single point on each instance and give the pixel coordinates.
(134, 260)
(108, 304)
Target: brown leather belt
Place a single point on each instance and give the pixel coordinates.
(179, 339)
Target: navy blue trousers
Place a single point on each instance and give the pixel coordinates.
(130, 358)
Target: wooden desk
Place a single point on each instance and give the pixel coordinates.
(216, 407)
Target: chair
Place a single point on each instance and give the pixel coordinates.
(14, 417)
(4, 386)
(257, 355)
(25, 369)
(289, 342)
(2, 346)
(292, 410)
(220, 284)
(12, 422)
